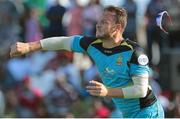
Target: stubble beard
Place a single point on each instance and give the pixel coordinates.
(105, 36)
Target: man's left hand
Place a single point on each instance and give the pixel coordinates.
(97, 89)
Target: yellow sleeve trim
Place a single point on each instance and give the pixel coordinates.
(125, 43)
(97, 41)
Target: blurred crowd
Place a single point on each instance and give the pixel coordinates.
(52, 84)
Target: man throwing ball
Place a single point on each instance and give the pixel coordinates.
(122, 64)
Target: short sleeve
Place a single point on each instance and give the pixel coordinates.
(139, 63)
(75, 45)
(81, 43)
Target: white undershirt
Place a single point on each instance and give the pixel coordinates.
(57, 43)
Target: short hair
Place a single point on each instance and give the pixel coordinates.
(121, 15)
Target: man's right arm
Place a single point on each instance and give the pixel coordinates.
(53, 43)
(76, 43)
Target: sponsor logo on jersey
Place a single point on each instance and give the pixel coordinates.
(143, 59)
(108, 51)
(110, 71)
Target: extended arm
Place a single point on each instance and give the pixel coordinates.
(53, 43)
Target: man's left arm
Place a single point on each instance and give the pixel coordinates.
(137, 90)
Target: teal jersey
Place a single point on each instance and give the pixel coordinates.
(116, 66)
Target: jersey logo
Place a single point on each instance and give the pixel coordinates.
(119, 60)
(143, 59)
(108, 51)
(109, 71)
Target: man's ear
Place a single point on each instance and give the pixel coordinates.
(119, 27)
(114, 31)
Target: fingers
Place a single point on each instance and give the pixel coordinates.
(13, 51)
(18, 49)
(94, 92)
(95, 88)
(96, 83)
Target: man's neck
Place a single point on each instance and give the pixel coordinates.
(110, 43)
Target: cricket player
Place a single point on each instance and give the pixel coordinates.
(122, 64)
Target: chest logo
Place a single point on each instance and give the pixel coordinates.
(119, 60)
(110, 71)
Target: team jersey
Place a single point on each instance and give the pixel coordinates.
(116, 66)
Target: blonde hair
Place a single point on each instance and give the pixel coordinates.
(121, 15)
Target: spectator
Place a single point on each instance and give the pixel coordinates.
(130, 31)
(73, 20)
(54, 15)
(12, 104)
(8, 26)
(173, 7)
(19, 68)
(60, 98)
(177, 107)
(2, 104)
(101, 111)
(32, 26)
(93, 9)
(152, 30)
(30, 99)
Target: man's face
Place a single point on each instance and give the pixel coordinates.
(105, 27)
